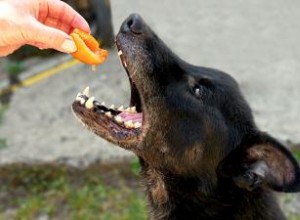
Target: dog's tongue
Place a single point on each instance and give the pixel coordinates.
(134, 117)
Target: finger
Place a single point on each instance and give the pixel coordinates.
(50, 37)
(39, 45)
(63, 13)
(56, 24)
(4, 51)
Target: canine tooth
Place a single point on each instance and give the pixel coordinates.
(82, 100)
(121, 108)
(112, 107)
(137, 125)
(120, 52)
(103, 103)
(90, 103)
(125, 64)
(108, 114)
(78, 97)
(127, 109)
(119, 119)
(86, 91)
(133, 109)
(129, 124)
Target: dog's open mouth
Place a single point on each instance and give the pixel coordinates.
(120, 125)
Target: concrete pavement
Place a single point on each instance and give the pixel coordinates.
(256, 42)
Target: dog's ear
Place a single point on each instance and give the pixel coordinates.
(262, 161)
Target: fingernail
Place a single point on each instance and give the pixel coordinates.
(69, 46)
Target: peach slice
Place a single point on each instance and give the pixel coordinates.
(88, 48)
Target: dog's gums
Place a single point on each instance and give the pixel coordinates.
(121, 124)
(126, 117)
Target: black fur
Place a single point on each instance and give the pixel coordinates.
(201, 154)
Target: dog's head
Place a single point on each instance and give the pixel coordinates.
(187, 120)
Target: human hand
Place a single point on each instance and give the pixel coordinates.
(41, 23)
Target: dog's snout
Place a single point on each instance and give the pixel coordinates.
(134, 24)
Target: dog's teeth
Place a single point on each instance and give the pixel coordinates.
(120, 52)
(78, 97)
(125, 64)
(108, 114)
(121, 108)
(112, 107)
(103, 103)
(119, 119)
(86, 91)
(133, 109)
(129, 124)
(90, 103)
(127, 109)
(82, 100)
(137, 125)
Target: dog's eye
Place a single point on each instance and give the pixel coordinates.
(197, 90)
(199, 87)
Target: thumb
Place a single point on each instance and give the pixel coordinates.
(51, 38)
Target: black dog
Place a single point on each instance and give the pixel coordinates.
(201, 154)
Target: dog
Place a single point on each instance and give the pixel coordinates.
(201, 154)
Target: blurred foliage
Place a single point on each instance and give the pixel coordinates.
(297, 154)
(13, 68)
(28, 51)
(2, 110)
(108, 192)
(293, 217)
(3, 143)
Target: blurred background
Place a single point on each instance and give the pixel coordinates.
(53, 168)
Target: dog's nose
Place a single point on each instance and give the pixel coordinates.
(134, 23)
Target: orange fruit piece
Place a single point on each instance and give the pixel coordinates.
(88, 48)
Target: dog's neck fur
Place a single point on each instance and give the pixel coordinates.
(196, 199)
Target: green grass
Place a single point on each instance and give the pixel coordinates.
(108, 193)
(100, 192)
(297, 154)
(293, 217)
(285, 198)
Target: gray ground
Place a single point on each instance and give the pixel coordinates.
(39, 126)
